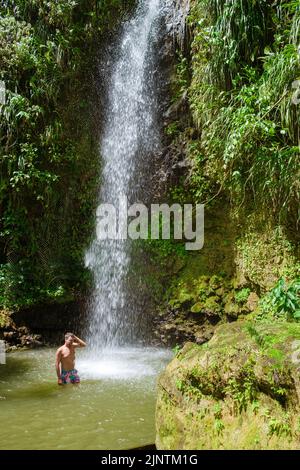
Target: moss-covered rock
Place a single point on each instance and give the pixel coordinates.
(197, 307)
(240, 390)
(200, 300)
(232, 310)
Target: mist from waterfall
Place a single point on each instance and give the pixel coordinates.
(129, 138)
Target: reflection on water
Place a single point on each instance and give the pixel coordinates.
(113, 408)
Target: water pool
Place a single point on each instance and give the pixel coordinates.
(113, 407)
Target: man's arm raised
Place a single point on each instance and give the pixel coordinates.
(78, 343)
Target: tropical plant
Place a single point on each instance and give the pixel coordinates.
(286, 299)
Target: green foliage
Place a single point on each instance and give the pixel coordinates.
(180, 385)
(242, 295)
(240, 31)
(176, 349)
(209, 382)
(48, 155)
(282, 302)
(172, 129)
(183, 76)
(286, 299)
(244, 61)
(161, 250)
(259, 338)
(243, 145)
(242, 388)
(279, 428)
(280, 393)
(218, 424)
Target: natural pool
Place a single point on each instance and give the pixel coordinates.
(113, 408)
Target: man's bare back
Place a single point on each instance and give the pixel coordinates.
(65, 360)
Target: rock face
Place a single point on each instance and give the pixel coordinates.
(241, 390)
(41, 325)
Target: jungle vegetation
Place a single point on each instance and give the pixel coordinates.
(48, 154)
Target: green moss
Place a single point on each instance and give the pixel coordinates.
(242, 295)
(239, 391)
(266, 253)
(197, 308)
(212, 304)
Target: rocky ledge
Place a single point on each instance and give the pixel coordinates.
(196, 306)
(240, 390)
(40, 325)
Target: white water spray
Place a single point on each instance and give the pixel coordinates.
(130, 138)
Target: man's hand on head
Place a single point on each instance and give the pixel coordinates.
(78, 343)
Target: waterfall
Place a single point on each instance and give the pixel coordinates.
(129, 138)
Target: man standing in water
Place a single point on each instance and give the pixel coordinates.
(65, 360)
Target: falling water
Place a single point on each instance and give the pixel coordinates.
(129, 139)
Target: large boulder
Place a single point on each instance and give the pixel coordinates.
(240, 390)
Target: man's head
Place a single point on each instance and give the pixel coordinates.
(69, 338)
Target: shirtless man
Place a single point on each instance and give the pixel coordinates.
(65, 360)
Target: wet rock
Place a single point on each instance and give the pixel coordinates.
(213, 318)
(232, 310)
(212, 305)
(32, 341)
(234, 393)
(240, 281)
(170, 327)
(220, 292)
(252, 301)
(204, 337)
(215, 282)
(9, 336)
(43, 324)
(176, 108)
(23, 330)
(176, 24)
